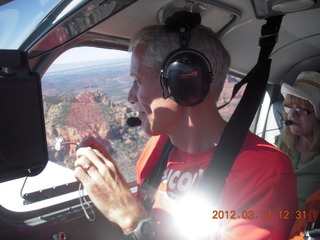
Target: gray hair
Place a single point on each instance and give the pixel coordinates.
(160, 42)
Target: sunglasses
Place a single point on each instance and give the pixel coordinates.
(299, 111)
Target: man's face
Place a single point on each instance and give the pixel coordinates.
(158, 115)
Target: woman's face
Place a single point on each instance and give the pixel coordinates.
(303, 119)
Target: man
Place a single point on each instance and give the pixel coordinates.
(261, 182)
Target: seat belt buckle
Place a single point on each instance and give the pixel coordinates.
(311, 232)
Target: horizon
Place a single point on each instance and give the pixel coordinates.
(87, 54)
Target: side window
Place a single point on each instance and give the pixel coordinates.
(226, 94)
(84, 94)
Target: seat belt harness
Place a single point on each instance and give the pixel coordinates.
(235, 132)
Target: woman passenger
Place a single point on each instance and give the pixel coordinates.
(300, 137)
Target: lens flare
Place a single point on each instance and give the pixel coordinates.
(193, 217)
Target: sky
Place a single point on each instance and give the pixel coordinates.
(19, 18)
(82, 54)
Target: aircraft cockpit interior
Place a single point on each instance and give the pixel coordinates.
(92, 148)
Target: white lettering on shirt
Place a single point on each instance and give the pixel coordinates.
(180, 181)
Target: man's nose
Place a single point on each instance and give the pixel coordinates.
(132, 95)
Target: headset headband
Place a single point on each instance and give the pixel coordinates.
(185, 74)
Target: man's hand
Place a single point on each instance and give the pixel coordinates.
(106, 186)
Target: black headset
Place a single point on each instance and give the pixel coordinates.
(185, 74)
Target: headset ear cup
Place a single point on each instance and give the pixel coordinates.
(189, 77)
(188, 89)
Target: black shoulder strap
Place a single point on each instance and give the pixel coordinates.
(151, 184)
(235, 132)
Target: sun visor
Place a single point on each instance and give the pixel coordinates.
(23, 147)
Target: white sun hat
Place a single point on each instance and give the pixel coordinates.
(306, 86)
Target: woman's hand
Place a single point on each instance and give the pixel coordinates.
(106, 186)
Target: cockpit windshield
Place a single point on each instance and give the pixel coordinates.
(19, 18)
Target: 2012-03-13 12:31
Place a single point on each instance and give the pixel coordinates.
(263, 214)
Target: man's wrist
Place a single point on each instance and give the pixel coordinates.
(144, 231)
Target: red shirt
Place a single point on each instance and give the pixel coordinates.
(260, 187)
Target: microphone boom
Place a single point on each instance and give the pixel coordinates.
(288, 122)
